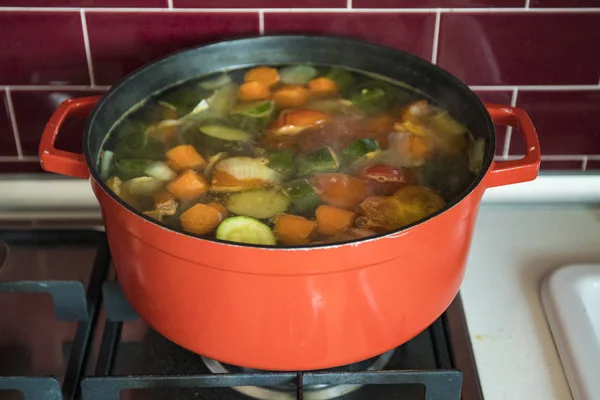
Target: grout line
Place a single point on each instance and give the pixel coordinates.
(20, 159)
(311, 10)
(436, 37)
(349, 4)
(170, 4)
(88, 52)
(527, 4)
(473, 87)
(508, 137)
(55, 88)
(540, 88)
(584, 163)
(13, 122)
(261, 22)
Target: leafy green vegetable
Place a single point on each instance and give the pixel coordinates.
(254, 116)
(371, 101)
(185, 98)
(342, 78)
(129, 168)
(137, 144)
(323, 160)
(359, 148)
(281, 161)
(304, 197)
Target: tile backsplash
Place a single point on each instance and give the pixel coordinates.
(541, 55)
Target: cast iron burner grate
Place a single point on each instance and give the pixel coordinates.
(120, 357)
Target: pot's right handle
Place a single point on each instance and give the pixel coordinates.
(514, 171)
(60, 161)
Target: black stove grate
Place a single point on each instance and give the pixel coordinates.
(72, 302)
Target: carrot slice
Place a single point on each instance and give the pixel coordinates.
(188, 185)
(185, 157)
(201, 219)
(291, 96)
(265, 75)
(332, 220)
(340, 190)
(322, 87)
(294, 230)
(253, 90)
(220, 208)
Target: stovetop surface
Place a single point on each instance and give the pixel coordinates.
(67, 332)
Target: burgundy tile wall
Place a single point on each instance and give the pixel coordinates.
(409, 32)
(122, 42)
(496, 46)
(436, 3)
(568, 122)
(84, 3)
(259, 4)
(7, 138)
(42, 48)
(521, 49)
(565, 3)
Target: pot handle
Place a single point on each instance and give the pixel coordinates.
(515, 171)
(60, 161)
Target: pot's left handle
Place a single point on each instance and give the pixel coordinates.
(60, 161)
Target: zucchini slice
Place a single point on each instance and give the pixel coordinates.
(259, 203)
(323, 160)
(253, 116)
(224, 138)
(359, 148)
(304, 197)
(246, 230)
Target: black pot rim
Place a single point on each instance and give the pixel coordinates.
(264, 40)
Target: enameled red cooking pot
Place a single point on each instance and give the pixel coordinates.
(297, 308)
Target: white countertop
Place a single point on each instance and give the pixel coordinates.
(513, 250)
(523, 232)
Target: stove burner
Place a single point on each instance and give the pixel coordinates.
(311, 392)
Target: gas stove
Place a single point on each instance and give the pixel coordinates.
(67, 332)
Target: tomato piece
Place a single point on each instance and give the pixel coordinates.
(385, 180)
(340, 190)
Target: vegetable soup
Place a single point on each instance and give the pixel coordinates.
(289, 155)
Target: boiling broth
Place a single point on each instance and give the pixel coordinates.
(289, 155)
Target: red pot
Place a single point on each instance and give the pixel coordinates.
(291, 308)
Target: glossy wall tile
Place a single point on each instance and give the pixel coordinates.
(409, 32)
(436, 3)
(122, 42)
(7, 137)
(83, 3)
(521, 49)
(567, 122)
(42, 48)
(260, 4)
